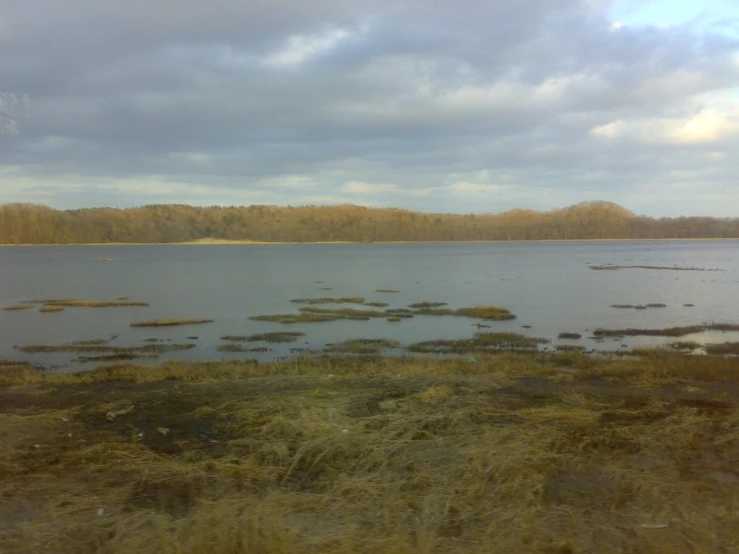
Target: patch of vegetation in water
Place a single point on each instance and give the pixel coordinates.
(666, 332)
(288, 319)
(480, 342)
(569, 348)
(377, 304)
(723, 348)
(387, 290)
(17, 307)
(344, 312)
(639, 306)
(486, 312)
(71, 303)
(427, 305)
(282, 336)
(609, 267)
(327, 300)
(570, 336)
(395, 319)
(362, 346)
(231, 347)
(50, 309)
(170, 322)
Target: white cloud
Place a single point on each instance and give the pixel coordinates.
(301, 47)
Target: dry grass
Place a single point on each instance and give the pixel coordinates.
(170, 322)
(51, 309)
(512, 454)
(17, 308)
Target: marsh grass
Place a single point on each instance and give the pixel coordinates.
(387, 290)
(666, 332)
(282, 336)
(377, 304)
(17, 308)
(513, 453)
(71, 303)
(170, 322)
(288, 319)
(480, 342)
(427, 305)
(326, 300)
(569, 336)
(723, 348)
(362, 346)
(50, 309)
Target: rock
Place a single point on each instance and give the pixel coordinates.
(163, 431)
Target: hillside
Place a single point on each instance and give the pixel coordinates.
(34, 224)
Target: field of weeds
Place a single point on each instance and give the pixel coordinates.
(507, 453)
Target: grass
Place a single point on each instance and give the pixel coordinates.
(170, 322)
(387, 290)
(362, 346)
(377, 304)
(87, 347)
(427, 305)
(17, 308)
(51, 309)
(723, 348)
(86, 303)
(283, 336)
(570, 336)
(326, 300)
(639, 306)
(610, 267)
(288, 319)
(486, 312)
(509, 453)
(238, 348)
(480, 342)
(666, 332)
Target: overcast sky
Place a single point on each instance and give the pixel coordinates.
(467, 106)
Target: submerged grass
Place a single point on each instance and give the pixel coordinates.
(511, 453)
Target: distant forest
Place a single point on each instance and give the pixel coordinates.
(34, 224)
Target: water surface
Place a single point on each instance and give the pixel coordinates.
(549, 286)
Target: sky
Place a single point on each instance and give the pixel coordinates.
(473, 106)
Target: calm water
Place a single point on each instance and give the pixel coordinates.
(547, 285)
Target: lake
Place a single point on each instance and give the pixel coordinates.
(549, 286)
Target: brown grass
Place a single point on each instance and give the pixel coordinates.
(170, 322)
(17, 308)
(51, 309)
(507, 454)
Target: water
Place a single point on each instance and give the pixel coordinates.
(547, 285)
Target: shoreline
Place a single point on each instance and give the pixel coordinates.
(224, 242)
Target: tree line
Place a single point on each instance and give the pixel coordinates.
(35, 224)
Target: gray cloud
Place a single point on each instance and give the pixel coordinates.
(472, 106)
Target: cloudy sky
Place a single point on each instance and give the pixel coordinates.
(466, 106)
